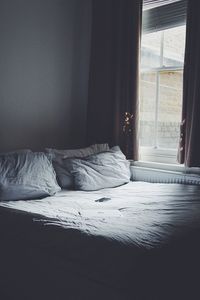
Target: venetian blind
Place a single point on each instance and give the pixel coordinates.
(163, 14)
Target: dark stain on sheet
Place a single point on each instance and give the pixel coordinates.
(103, 199)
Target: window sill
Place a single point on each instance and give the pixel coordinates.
(165, 167)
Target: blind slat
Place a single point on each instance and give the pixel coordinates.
(164, 17)
(147, 4)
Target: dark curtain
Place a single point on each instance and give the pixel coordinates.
(189, 150)
(114, 74)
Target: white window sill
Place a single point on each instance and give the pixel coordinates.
(165, 167)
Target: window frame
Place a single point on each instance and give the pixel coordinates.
(155, 153)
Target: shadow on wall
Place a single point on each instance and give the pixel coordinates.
(44, 59)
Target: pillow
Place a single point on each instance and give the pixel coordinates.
(64, 177)
(82, 152)
(103, 170)
(26, 175)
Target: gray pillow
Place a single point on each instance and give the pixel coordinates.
(103, 170)
(64, 177)
(82, 152)
(26, 175)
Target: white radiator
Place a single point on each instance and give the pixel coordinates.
(163, 176)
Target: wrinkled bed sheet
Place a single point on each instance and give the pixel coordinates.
(110, 238)
(143, 214)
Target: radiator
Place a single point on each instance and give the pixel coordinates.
(163, 176)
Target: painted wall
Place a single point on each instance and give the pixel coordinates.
(44, 65)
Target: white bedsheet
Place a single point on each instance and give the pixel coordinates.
(143, 214)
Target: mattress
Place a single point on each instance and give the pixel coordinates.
(143, 214)
(108, 241)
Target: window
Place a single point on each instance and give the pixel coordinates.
(161, 83)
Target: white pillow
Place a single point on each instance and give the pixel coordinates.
(26, 175)
(64, 177)
(103, 170)
(81, 152)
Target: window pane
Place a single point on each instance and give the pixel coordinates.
(174, 46)
(150, 50)
(169, 108)
(147, 108)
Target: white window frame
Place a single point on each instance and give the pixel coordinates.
(157, 154)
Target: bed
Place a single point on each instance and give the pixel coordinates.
(136, 241)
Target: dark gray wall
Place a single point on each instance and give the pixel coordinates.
(44, 65)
